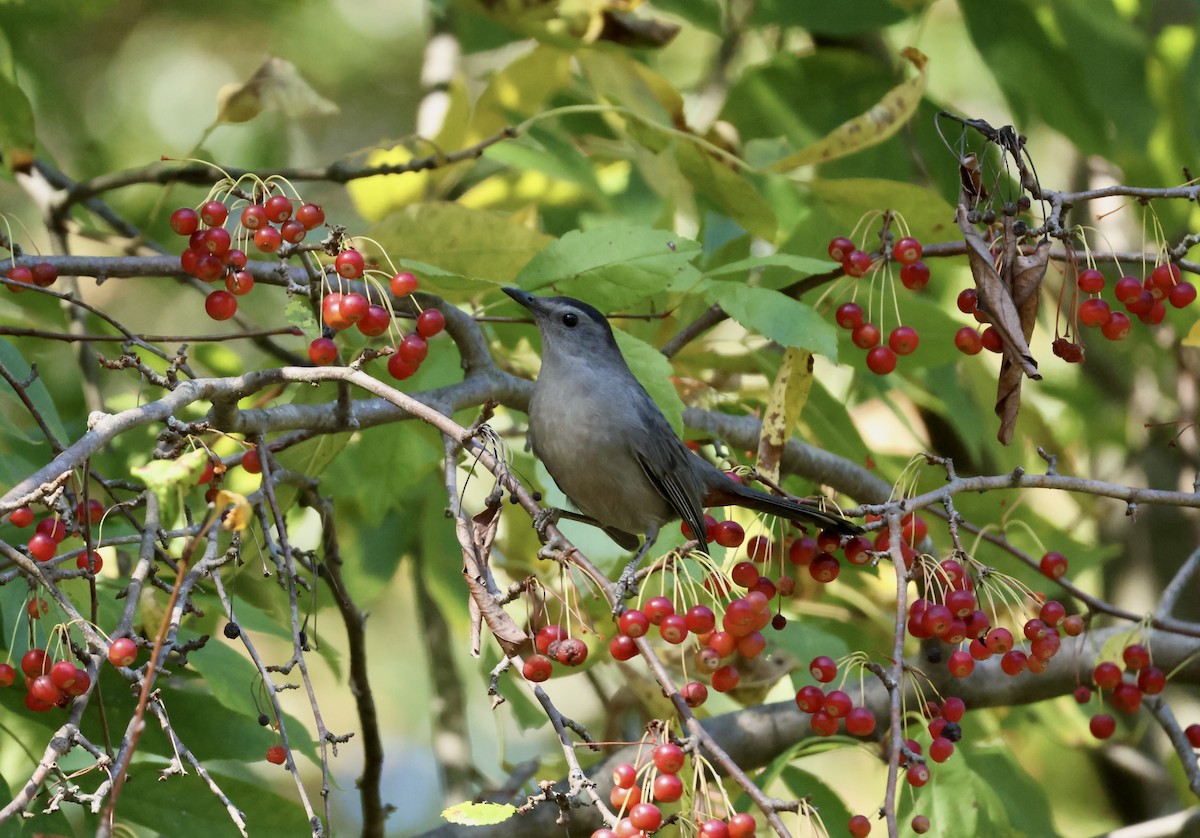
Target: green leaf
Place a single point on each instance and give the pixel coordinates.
(733, 194)
(443, 282)
(17, 136)
(170, 479)
(613, 267)
(654, 371)
(299, 312)
(479, 814)
(828, 18)
(927, 215)
(775, 316)
(185, 805)
(36, 390)
(462, 241)
(801, 265)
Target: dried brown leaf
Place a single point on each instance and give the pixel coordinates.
(475, 537)
(1027, 273)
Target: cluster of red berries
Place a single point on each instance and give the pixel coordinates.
(553, 643)
(340, 311)
(52, 531)
(43, 275)
(1125, 689)
(914, 275)
(211, 255)
(54, 683)
(828, 710)
(660, 783)
(1145, 299)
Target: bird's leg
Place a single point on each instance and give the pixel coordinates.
(551, 515)
(627, 581)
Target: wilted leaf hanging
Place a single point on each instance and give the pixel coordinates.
(276, 86)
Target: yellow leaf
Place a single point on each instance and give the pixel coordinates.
(1193, 336)
(520, 90)
(239, 516)
(374, 197)
(479, 814)
(789, 394)
(876, 125)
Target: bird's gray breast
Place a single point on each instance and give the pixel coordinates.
(585, 428)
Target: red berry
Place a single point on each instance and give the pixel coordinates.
(857, 263)
(967, 341)
(1127, 288)
(239, 283)
(759, 548)
(729, 534)
(865, 335)
(903, 340)
(218, 241)
(184, 221)
(353, 307)
(725, 678)
(349, 264)
(810, 698)
(322, 352)
(918, 774)
(254, 217)
(42, 547)
(400, 369)
(537, 668)
(331, 311)
(1054, 564)
(44, 275)
(941, 749)
(122, 652)
(1192, 732)
(915, 276)
(63, 674)
(1102, 725)
(669, 758)
(1180, 296)
(1151, 680)
(991, 340)
(1165, 275)
(857, 550)
(220, 305)
(849, 315)
(292, 232)
(920, 824)
(42, 688)
(803, 550)
(860, 722)
(625, 798)
(251, 462)
(824, 568)
(673, 628)
(413, 349)
(1073, 625)
(960, 664)
(1117, 327)
(571, 652)
(1106, 675)
(968, 301)
(1136, 657)
(1140, 304)
(276, 755)
(999, 641)
(375, 322)
(658, 608)
(1014, 661)
(35, 663)
(907, 250)
(430, 322)
(268, 239)
(311, 216)
(837, 704)
(840, 248)
(694, 693)
(214, 213)
(278, 208)
(19, 274)
(1094, 312)
(53, 527)
(624, 776)
(700, 619)
(667, 788)
(633, 623)
(741, 825)
(881, 360)
(21, 517)
(1090, 281)
(403, 284)
(859, 826)
(93, 566)
(7, 675)
(622, 648)
(1052, 612)
(823, 668)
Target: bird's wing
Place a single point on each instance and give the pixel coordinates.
(667, 463)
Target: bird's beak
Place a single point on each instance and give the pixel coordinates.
(522, 297)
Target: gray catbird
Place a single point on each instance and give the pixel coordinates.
(611, 450)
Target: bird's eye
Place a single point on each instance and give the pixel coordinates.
(569, 320)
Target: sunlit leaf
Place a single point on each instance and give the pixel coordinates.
(775, 316)
(479, 814)
(876, 125)
(275, 86)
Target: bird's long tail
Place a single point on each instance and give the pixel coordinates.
(803, 513)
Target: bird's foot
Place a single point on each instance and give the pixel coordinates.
(626, 586)
(544, 518)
